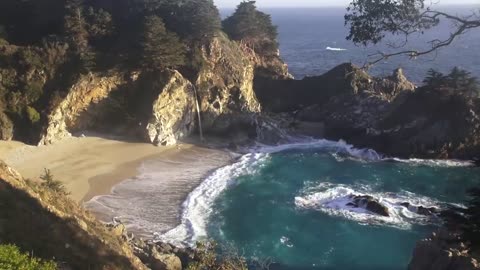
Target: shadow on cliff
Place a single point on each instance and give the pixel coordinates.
(45, 233)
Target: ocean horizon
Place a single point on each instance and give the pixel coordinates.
(313, 41)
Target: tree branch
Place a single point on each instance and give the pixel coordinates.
(433, 17)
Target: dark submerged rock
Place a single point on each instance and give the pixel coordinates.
(370, 204)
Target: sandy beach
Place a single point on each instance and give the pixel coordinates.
(88, 166)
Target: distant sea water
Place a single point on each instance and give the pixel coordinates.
(312, 41)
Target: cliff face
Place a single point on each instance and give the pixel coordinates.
(442, 251)
(160, 107)
(283, 95)
(50, 225)
(387, 114)
(173, 112)
(225, 86)
(81, 107)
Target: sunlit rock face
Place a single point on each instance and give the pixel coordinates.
(80, 108)
(173, 112)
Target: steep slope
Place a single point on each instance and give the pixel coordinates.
(50, 225)
(442, 251)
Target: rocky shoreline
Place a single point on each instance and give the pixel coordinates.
(244, 97)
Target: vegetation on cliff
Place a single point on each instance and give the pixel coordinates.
(253, 28)
(12, 259)
(58, 44)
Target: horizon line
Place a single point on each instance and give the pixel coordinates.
(345, 6)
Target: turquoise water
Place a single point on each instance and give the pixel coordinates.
(289, 206)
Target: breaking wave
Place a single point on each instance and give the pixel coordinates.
(198, 205)
(336, 199)
(327, 198)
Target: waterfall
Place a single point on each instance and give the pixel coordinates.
(198, 113)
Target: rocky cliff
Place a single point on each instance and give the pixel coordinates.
(442, 251)
(82, 106)
(387, 114)
(161, 107)
(225, 86)
(50, 225)
(174, 111)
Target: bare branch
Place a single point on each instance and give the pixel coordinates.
(463, 25)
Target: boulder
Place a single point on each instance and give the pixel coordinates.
(369, 203)
(421, 210)
(426, 211)
(118, 229)
(160, 261)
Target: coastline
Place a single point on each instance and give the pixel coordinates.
(87, 166)
(152, 201)
(97, 168)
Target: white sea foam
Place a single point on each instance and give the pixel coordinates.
(335, 49)
(333, 199)
(286, 241)
(436, 162)
(198, 206)
(336, 147)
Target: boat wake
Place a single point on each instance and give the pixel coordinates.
(335, 49)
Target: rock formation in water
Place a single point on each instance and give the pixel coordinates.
(369, 203)
(442, 251)
(387, 114)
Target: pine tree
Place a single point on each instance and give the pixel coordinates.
(161, 49)
(253, 28)
(196, 20)
(75, 26)
(434, 78)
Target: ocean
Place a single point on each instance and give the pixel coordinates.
(312, 41)
(291, 204)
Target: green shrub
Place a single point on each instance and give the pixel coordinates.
(50, 183)
(30, 58)
(33, 91)
(32, 114)
(12, 259)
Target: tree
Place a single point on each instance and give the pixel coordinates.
(252, 27)
(195, 20)
(458, 79)
(371, 20)
(161, 49)
(434, 78)
(50, 183)
(75, 26)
